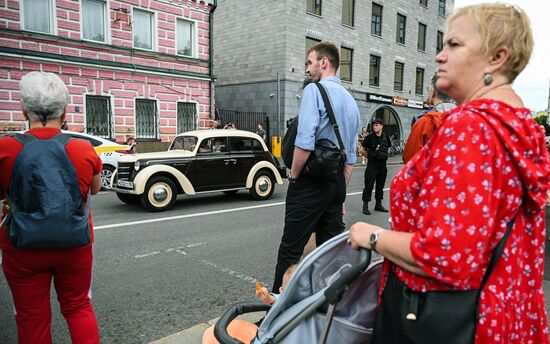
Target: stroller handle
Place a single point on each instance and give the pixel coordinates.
(336, 290)
(220, 329)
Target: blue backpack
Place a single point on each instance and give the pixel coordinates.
(45, 203)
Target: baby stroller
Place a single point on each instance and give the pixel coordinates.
(330, 298)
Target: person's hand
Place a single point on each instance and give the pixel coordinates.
(359, 235)
(264, 295)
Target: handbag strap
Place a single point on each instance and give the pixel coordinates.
(498, 252)
(330, 113)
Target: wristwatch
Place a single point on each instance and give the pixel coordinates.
(374, 239)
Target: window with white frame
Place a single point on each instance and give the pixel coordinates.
(398, 76)
(143, 29)
(38, 15)
(98, 116)
(93, 20)
(147, 119)
(421, 44)
(346, 63)
(185, 34)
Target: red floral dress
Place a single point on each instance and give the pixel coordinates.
(486, 162)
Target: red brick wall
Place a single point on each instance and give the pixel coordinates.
(123, 86)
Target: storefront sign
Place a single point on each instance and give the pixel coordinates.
(378, 98)
(398, 101)
(415, 104)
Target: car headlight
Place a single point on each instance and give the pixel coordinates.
(136, 165)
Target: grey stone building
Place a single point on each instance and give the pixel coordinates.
(387, 55)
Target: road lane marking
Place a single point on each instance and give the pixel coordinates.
(206, 213)
(171, 249)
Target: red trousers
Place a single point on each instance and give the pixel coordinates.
(29, 274)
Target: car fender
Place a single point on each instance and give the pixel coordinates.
(259, 166)
(143, 176)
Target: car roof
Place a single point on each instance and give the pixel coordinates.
(201, 134)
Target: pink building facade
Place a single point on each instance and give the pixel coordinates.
(137, 68)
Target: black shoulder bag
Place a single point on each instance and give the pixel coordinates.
(450, 317)
(326, 163)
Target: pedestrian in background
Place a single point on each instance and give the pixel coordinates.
(131, 142)
(484, 173)
(29, 272)
(261, 132)
(315, 205)
(427, 124)
(376, 148)
(362, 134)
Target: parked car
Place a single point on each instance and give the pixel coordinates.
(198, 162)
(108, 152)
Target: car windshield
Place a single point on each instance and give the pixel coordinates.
(186, 143)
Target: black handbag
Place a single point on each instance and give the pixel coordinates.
(449, 317)
(326, 163)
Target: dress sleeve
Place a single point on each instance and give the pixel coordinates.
(456, 208)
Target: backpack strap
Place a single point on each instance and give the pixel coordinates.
(23, 138)
(61, 138)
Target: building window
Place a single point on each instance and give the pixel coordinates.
(186, 117)
(398, 76)
(401, 27)
(185, 32)
(38, 15)
(442, 8)
(98, 116)
(419, 86)
(376, 20)
(93, 20)
(146, 119)
(439, 46)
(421, 37)
(309, 43)
(348, 9)
(143, 29)
(314, 6)
(374, 72)
(346, 59)
(424, 3)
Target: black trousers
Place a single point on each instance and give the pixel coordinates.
(374, 173)
(311, 206)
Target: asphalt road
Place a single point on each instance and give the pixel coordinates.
(159, 273)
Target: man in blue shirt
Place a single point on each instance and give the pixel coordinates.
(313, 205)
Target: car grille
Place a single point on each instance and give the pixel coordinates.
(124, 170)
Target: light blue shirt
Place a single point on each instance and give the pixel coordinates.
(314, 123)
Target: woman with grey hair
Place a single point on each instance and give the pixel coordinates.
(30, 271)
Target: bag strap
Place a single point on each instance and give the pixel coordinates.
(330, 113)
(23, 138)
(498, 252)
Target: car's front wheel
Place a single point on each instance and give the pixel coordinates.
(106, 175)
(128, 198)
(263, 185)
(160, 194)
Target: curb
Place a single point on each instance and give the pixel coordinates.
(193, 335)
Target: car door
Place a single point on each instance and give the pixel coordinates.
(211, 165)
(242, 158)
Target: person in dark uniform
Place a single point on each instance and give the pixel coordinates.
(375, 148)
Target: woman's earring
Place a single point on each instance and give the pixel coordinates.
(487, 79)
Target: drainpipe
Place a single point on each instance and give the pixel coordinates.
(278, 107)
(211, 56)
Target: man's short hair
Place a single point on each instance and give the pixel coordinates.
(438, 93)
(328, 50)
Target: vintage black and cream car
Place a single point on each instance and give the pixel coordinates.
(198, 162)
